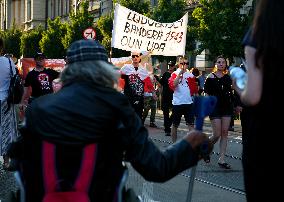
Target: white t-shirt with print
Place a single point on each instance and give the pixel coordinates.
(181, 93)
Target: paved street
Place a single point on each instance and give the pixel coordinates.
(7, 183)
(212, 184)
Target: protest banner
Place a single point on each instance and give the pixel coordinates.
(135, 32)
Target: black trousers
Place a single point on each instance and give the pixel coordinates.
(138, 106)
(168, 119)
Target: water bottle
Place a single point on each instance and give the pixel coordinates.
(240, 75)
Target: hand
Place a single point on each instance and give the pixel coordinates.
(198, 140)
(181, 72)
(22, 107)
(235, 87)
(238, 109)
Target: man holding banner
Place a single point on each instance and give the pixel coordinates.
(135, 32)
(136, 78)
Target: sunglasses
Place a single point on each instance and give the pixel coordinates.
(135, 56)
(184, 63)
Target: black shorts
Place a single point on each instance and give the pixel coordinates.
(222, 111)
(186, 110)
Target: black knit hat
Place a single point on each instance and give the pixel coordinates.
(86, 49)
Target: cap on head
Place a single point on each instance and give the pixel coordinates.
(39, 54)
(171, 63)
(83, 50)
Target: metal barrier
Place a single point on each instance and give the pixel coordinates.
(173, 190)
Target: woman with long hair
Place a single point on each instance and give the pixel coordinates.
(218, 84)
(264, 53)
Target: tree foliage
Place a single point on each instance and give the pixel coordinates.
(140, 6)
(105, 24)
(167, 12)
(12, 38)
(51, 42)
(78, 23)
(30, 42)
(221, 27)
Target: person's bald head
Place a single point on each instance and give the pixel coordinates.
(136, 57)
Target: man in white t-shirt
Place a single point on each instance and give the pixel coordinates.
(182, 82)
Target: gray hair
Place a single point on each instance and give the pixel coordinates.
(98, 72)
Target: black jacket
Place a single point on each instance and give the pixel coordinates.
(82, 113)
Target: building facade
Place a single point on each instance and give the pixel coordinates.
(28, 14)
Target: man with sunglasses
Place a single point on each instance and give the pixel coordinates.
(136, 79)
(181, 83)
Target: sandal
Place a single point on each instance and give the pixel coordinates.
(224, 165)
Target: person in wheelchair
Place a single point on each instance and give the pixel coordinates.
(76, 139)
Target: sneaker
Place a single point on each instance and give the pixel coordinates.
(153, 125)
(224, 165)
(231, 129)
(168, 134)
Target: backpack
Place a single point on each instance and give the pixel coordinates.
(16, 88)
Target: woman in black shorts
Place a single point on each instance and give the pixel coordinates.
(218, 83)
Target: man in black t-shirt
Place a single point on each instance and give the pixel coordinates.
(38, 81)
(167, 97)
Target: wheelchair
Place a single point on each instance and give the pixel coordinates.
(40, 178)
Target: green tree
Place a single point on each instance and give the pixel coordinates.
(140, 6)
(105, 24)
(51, 41)
(166, 12)
(78, 23)
(12, 40)
(221, 27)
(30, 42)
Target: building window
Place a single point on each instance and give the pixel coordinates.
(29, 10)
(66, 7)
(59, 8)
(52, 9)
